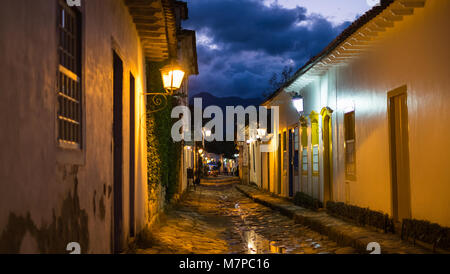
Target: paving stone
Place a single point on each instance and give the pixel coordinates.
(336, 229)
(218, 219)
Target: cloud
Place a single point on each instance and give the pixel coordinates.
(241, 43)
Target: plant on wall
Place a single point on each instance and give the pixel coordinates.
(163, 154)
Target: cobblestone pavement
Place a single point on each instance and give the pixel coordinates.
(218, 219)
(344, 232)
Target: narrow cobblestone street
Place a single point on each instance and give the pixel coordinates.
(217, 219)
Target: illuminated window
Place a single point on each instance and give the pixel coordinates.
(350, 151)
(69, 76)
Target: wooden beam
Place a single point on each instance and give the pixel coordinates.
(413, 3)
(145, 12)
(404, 11)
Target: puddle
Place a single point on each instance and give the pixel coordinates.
(257, 244)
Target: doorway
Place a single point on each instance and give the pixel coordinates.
(399, 153)
(327, 155)
(268, 171)
(132, 154)
(291, 163)
(118, 151)
(278, 191)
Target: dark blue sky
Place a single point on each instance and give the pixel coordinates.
(241, 43)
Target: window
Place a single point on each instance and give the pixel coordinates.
(254, 158)
(284, 142)
(350, 152)
(69, 77)
(315, 145)
(304, 149)
(296, 150)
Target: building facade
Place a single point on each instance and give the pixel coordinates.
(73, 165)
(372, 131)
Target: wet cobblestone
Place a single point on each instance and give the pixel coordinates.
(218, 219)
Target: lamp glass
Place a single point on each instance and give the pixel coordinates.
(262, 132)
(298, 104)
(172, 77)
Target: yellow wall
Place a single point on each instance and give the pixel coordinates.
(37, 175)
(413, 53)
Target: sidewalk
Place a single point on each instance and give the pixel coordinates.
(342, 232)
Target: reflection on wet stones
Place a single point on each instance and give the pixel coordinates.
(217, 219)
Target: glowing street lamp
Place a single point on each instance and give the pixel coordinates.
(172, 78)
(200, 151)
(208, 133)
(261, 132)
(297, 101)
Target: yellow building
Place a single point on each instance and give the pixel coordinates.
(373, 131)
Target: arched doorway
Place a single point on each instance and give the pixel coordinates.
(315, 169)
(327, 140)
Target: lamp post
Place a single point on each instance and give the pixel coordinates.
(172, 77)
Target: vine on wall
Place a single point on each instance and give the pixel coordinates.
(163, 154)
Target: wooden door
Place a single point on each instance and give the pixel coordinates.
(118, 152)
(327, 173)
(399, 150)
(132, 155)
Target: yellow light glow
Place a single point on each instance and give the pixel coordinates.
(172, 77)
(262, 132)
(200, 151)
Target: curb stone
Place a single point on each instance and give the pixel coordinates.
(342, 232)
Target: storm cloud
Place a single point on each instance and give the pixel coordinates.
(241, 43)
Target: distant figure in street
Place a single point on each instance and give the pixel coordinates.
(197, 181)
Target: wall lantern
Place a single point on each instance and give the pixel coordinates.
(261, 132)
(208, 133)
(172, 77)
(200, 151)
(297, 101)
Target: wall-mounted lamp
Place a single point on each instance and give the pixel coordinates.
(297, 101)
(262, 132)
(172, 77)
(208, 133)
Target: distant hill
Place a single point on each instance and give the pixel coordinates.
(225, 148)
(223, 102)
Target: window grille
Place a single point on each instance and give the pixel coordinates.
(69, 77)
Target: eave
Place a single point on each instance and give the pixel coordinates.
(360, 37)
(156, 25)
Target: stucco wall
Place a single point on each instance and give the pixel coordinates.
(38, 178)
(413, 53)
